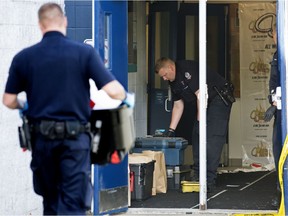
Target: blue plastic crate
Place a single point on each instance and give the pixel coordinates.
(173, 148)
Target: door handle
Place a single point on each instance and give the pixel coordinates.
(169, 93)
(166, 105)
(169, 99)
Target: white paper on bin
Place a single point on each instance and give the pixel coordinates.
(138, 158)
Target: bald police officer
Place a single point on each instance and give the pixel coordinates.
(55, 75)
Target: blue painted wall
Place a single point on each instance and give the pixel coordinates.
(79, 14)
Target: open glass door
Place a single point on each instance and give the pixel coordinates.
(162, 42)
(188, 35)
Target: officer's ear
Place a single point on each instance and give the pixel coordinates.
(65, 21)
(64, 25)
(42, 28)
(171, 67)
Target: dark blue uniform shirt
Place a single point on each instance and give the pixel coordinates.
(55, 75)
(186, 81)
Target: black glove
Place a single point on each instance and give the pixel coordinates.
(269, 113)
(170, 133)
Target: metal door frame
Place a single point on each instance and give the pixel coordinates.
(161, 6)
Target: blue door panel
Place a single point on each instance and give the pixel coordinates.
(111, 42)
(79, 14)
(112, 175)
(117, 12)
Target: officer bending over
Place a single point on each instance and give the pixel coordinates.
(183, 77)
(55, 74)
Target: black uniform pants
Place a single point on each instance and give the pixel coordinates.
(218, 115)
(61, 174)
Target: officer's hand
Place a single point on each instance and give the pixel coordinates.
(170, 133)
(24, 108)
(269, 113)
(129, 100)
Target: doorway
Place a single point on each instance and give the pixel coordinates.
(174, 33)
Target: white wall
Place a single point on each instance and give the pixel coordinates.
(18, 29)
(137, 81)
(235, 133)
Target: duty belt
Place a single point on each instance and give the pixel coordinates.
(60, 130)
(226, 93)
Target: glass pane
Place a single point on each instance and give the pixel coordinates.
(212, 42)
(192, 40)
(132, 37)
(107, 41)
(162, 29)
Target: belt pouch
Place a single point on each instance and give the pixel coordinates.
(47, 129)
(72, 129)
(59, 130)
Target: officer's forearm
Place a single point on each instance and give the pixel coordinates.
(198, 104)
(115, 90)
(11, 101)
(176, 114)
(198, 109)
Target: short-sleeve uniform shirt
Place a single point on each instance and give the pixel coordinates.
(55, 74)
(186, 81)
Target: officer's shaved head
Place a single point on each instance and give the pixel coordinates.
(162, 62)
(51, 17)
(50, 11)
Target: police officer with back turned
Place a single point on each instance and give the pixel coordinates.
(183, 77)
(55, 75)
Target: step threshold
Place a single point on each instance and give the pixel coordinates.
(187, 211)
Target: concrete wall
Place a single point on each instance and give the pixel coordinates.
(235, 135)
(18, 29)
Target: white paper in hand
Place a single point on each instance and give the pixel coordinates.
(101, 99)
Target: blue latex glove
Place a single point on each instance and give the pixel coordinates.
(24, 108)
(129, 100)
